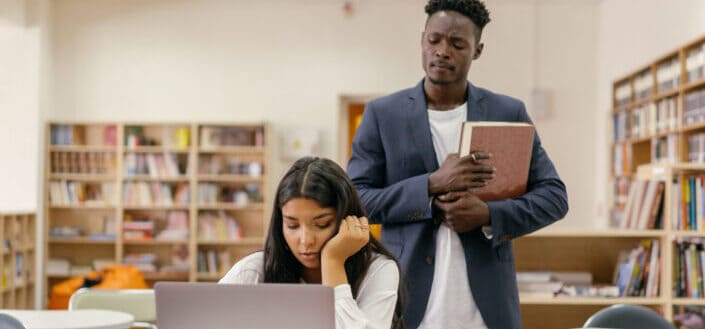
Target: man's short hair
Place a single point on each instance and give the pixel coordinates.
(475, 10)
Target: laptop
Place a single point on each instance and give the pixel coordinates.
(191, 305)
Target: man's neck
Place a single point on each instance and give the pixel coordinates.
(445, 97)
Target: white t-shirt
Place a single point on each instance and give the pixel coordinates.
(450, 304)
(376, 298)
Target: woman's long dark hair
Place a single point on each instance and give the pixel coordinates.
(323, 181)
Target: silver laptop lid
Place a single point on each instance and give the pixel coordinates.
(190, 305)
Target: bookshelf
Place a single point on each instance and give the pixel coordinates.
(17, 234)
(156, 195)
(595, 252)
(657, 163)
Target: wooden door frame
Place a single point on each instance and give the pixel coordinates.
(344, 102)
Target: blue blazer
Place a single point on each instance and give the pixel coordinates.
(392, 157)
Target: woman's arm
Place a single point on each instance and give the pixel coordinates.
(376, 298)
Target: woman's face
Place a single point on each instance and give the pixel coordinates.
(307, 227)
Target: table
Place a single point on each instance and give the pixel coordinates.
(79, 319)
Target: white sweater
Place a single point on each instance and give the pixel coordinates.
(372, 309)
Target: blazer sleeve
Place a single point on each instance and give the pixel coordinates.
(544, 202)
(403, 201)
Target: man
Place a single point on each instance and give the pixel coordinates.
(455, 249)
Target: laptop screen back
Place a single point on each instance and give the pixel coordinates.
(190, 305)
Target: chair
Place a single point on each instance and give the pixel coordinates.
(622, 316)
(9, 322)
(138, 302)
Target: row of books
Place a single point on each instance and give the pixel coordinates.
(668, 75)
(71, 193)
(621, 190)
(688, 202)
(218, 226)
(647, 120)
(213, 261)
(22, 272)
(230, 165)
(544, 284)
(82, 162)
(209, 193)
(64, 267)
(622, 158)
(623, 94)
(696, 148)
(638, 270)
(689, 266)
(156, 165)
(174, 227)
(106, 231)
(643, 85)
(148, 262)
(644, 205)
(665, 149)
(689, 316)
(215, 136)
(694, 107)
(76, 135)
(695, 63)
(169, 136)
(155, 194)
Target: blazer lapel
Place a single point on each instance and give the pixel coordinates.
(417, 120)
(477, 109)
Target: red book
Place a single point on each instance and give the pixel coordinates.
(510, 144)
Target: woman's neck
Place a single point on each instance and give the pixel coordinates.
(312, 275)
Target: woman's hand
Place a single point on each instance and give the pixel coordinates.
(354, 233)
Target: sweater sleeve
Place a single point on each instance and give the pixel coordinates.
(376, 299)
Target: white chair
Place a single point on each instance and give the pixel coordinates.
(140, 303)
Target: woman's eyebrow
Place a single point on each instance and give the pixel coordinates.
(323, 215)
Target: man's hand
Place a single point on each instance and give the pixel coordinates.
(462, 211)
(461, 174)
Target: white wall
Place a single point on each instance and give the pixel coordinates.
(24, 57)
(632, 34)
(19, 88)
(287, 62)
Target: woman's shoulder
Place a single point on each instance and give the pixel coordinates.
(383, 263)
(252, 261)
(248, 270)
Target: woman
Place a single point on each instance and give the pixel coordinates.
(318, 234)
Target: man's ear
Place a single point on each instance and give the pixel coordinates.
(478, 51)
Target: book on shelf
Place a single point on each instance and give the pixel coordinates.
(510, 144)
(218, 226)
(637, 270)
(688, 202)
(176, 228)
(214, 261)
(644, 205)
(695, 63)
(216, 136)
(600, 290)
(689, 262)
(668, 75)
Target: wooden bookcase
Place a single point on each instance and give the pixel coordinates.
(115, 191)
(651, 131)
(17, 235)
(595, 252)
(658, 116)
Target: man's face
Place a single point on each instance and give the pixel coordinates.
(448, 47)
